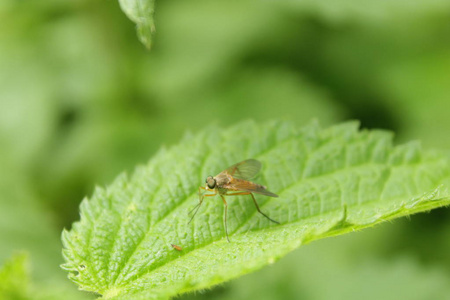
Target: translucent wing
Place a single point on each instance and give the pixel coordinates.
(246, 169)
(248, 186)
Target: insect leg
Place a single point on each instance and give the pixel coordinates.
(226, 208)
(200, 201)
(256, 204)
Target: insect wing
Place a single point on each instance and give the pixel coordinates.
(248, 186)
(246, 169)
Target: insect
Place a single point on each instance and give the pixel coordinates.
(176, 247)
(234, 179)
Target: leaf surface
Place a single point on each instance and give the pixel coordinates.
(329, 181)
(141, 13)
(14, 278)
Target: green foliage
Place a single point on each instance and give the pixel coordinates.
(141, 13)
(14, 279)
(16, 283)
(331, 264)
(25, 225)
(330, 181)
(81, 101)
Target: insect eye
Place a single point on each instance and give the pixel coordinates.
(211, 182)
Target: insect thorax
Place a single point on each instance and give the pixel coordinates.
(222, 191)
(222, 179)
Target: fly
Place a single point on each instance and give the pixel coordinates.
(234, 179)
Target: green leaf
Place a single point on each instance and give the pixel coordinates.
(342, 268)
(16, 283)
(14, 278)
(141, 12)
(329, 181)
(325, 270)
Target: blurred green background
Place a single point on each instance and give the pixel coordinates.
(81, 101)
